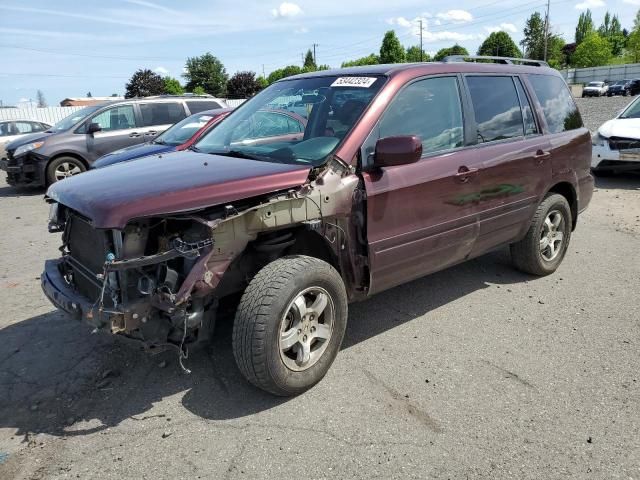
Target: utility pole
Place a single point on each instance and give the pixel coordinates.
(546, 30)
(421, 58)
(315, 59)
(263, 74)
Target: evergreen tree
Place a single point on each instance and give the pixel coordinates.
(309, 62)
(391, 50)
(585, 26)
(533, 41)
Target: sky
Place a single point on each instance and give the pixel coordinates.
(68, 48)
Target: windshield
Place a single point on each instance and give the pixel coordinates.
(294, 121)
(621, 82)
(67, 122)
(632, 111)
(595, 84)
(183, 130)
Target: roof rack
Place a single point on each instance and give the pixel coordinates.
(503, 60)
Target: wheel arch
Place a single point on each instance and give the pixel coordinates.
(568, 191)
(59, 155)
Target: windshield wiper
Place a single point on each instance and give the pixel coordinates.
(193, 148)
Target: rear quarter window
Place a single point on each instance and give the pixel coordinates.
(197, 107)
(558, 106)
(161, 113)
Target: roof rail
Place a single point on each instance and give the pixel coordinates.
(503, 60)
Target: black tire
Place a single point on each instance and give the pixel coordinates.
(53, 169)
(263, 311)
(602, 173)
(526, 254)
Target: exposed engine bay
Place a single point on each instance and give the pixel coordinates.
(159, 280)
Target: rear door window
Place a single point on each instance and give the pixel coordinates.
(201, 106)
(116, 118)
(558, 106)
(161, 113)
(430, 109)
(26, 127)
(496, 108)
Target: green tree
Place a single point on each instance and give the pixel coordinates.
(172, 86)
(593, 51)
(358, 62)
(199, 91)
(612, 31)
(633, 46)
(585, 26)
(309, 62)
(263, 82)
(283, 73)
(208, 72)
(243, 85)
(455, 50)
(499, 44)
(144, 83)
(533, 41)
(391, 50)
(413, 55)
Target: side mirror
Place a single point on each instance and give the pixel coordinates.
(93, 128)
(400, 150)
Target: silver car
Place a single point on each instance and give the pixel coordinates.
(74, 143)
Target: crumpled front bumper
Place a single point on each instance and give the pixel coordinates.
(63, 296)
(603, 157)
(25, 170)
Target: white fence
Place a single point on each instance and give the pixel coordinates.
(600, 74)
(52, 115)
(48, 115)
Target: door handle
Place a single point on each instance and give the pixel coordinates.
(541, 156)
(134, 134)
(151, 132)
(465, 173)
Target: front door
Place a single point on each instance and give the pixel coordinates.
(119, 130)
(416, 221)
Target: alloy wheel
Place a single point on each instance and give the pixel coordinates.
(552, 235)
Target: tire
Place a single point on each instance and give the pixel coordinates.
(63, 167)
(528, 254)
(268, 357)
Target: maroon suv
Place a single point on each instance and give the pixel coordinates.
(399, 171)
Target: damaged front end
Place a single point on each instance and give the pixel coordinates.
(160, 279)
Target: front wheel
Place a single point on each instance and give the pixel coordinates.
(290, 324)
(541, 251)
(63, 167)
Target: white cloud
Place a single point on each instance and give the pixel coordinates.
(504, 27)
(455, 16)
(161, 71)
(632, 2)
(401, 22)
(287, 10)
(301, 30)
(413, 26)
(590, 4)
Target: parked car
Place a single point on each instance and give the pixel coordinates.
(13, 129)
(595, 89)
(621, 87)
(424, 166)
(73, 144)
(616, 144)
(177, 137)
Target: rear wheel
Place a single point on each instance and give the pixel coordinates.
(290, 324)
(541, 251)
(63, 167)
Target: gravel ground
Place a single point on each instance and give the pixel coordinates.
(597, 110)
(474, 372)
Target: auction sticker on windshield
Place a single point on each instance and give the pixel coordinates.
(362, 82)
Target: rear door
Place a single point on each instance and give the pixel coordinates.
(514, 156)
(158, 116)
(119, 130)
(418, 217)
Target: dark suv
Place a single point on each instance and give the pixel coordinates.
(400, 171)
(71, 145)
